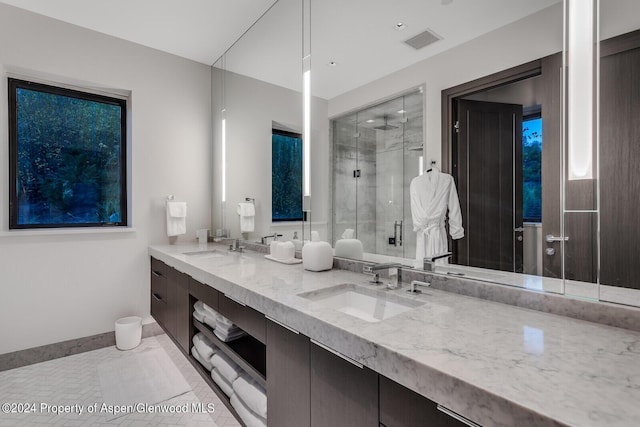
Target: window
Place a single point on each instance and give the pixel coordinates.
(532, 168)
(286, 176)
(67, 158)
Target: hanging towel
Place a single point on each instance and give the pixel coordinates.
(248, 417)
(176, 218)
(226, 367)
(204, 362)
(224, 385)
(247, 212)
(252, 395)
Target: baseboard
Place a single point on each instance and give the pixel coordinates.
(43, 353)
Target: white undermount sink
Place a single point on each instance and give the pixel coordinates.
(371, 305)
(204, 253)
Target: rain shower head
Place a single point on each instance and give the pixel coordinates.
(386, 126)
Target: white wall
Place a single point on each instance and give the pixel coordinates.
(251, 107)
(531, 38)
(60, 287)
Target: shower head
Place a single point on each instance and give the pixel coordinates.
(386, 126)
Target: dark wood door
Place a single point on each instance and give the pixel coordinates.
(342, 394)
(619, 160)
(288, 388)
(551, 110)
(488, 167)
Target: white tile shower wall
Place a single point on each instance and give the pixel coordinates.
(57, 288)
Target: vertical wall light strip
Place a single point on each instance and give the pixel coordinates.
(307, 133)
(420, 165)
(580, 84)
(224, 160)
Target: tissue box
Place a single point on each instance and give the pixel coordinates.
(349, 248)
(317, 256)
(282, 250)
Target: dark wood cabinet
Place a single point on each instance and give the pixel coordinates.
(158, 291)
(204, 293)
(307, 383)
(249, 320)
(342, 393)
(401, 407)
(170, 302)
(288, 388)
(179, 308)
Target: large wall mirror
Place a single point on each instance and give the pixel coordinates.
(401, 88)
(258, 92)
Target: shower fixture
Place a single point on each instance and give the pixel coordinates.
(386, 126)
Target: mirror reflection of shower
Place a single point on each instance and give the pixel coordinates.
(376, 153)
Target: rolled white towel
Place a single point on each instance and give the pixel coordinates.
(210, 311)
(227, 367)
(226, 337)
(226, 329)
(248, 417)
(251, 394)
(206, 314)
(222, 383)
(223, 320)
(204, 362)
(205, 348)
(198, 316)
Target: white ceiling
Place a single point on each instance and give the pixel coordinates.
(200, 30)
(358, 34)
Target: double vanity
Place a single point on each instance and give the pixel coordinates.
(333, 349)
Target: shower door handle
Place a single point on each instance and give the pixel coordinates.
(397, 237)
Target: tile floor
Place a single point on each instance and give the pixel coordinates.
(74, 380)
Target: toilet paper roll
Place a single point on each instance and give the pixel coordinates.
(349, 248)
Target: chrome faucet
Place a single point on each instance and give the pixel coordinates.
(273, 236)
(429, 263)
(236, 247)
(414, 284)
(393, 273)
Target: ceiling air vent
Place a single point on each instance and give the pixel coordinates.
(421, 40)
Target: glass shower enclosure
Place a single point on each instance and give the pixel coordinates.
(376, 153)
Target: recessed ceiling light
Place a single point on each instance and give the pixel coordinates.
(400, 26)
(370, 121)
(332, 63)
(401, 111)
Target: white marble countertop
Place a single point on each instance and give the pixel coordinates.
(496, 364)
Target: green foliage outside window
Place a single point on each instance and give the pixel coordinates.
(532, 169)
(67, 153)
(286, 176)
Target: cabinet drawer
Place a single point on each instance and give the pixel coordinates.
(159, 278)
(158, 309)
(248, 319)
(204, 293)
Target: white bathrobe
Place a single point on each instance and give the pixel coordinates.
(432, 194)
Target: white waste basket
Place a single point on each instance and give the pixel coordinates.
(128, 332)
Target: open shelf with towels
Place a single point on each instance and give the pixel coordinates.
(247, 352)
(217, 390)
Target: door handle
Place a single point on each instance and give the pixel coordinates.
(551, 238)
(518, 229)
